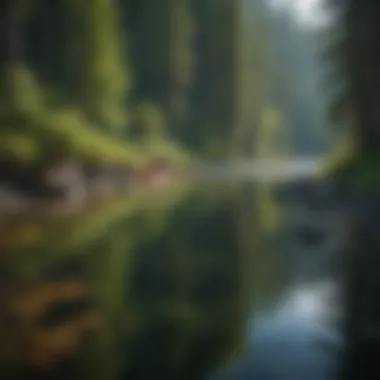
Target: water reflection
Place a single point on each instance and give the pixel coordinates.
(291, 343)
(175, 284)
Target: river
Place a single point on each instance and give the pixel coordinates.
(215, 280)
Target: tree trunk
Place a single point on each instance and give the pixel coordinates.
(11, 32)
(361, 59)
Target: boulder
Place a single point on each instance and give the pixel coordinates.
(68, 179)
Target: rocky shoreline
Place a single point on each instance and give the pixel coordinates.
(67, 186)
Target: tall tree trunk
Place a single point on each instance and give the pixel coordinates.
(362, 62)
(10, 32)
(11, 39)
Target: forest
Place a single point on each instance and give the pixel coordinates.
(113, 86)
(110, 82)
(104, 88)
(351, 56)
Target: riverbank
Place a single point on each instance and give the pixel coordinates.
(67, 186)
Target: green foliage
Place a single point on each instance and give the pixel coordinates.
(230, 77)
(42, 131)
(162, 54)
(25, 95)
(13, 144)
(357, 171)
(85, 115)
(107, 81)
(353, 52)
(149, 121)
(105, 77)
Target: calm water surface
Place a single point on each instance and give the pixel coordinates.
(214, 282)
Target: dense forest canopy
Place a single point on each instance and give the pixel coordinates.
(121, 80)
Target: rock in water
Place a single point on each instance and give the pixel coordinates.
(67, 177)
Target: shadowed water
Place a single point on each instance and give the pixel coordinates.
(208, 282)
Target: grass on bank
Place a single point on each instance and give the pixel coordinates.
(359, 171)
(31, 131)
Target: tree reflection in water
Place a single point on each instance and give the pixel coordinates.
(154, 286)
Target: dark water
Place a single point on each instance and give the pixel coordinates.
(213, 282)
